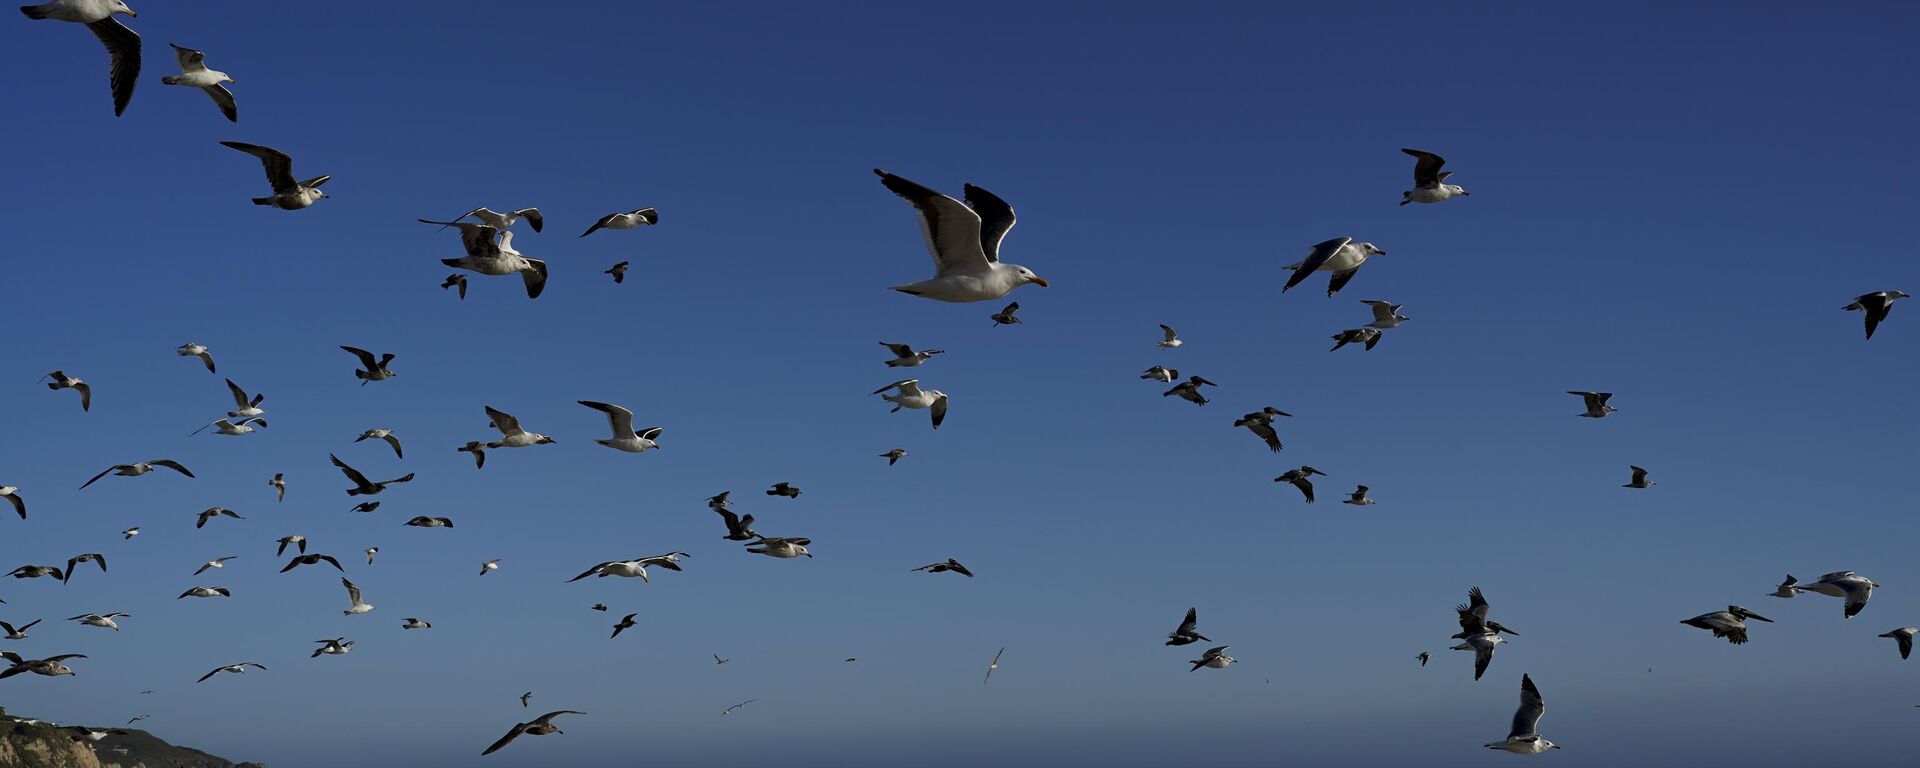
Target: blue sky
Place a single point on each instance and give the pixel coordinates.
(1670, 203)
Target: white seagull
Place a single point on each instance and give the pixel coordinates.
(1856, 589)
(234, 668)
(625, 437)
(1903, 636)
(905, 357)
(1160, 373)
(511, 435)
(910, 395)
(334, 647)
(964, 240)
(357, 606)
(1171, 338)
(629, 220)
(1214, 658)
(288, 194)
(1385, 315)
(17, 633)
(782, 548)
(196, 350)
(97, 620)
(382, 433)
(370, 370)
(62, 381)
(1341, 256)
(123, 44)
(194, 74)
(137, 469)
(1429, 182)
(1359, 497)
(1524, 737)
(413, 623)
(244, 406)
(505, 221)
(205, 592)
(218, 562)
(1786, 588)
(1597, 407)
(490, 565)
(225, 427)
(490, 252)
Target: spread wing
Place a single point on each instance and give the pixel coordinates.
(620, 418)
(353, 592)
(996, 219)
(508, 425)
(351, 473)
(939, 411)
(1426, 168)
(123, 45)
(279, 165)
(898, 350)
(190, 59)
(1526, 720)
(518, 728)
(953, 231)
(224, 98)
(367, 360)
(1192, 621)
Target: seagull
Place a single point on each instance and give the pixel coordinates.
(295, 540)
(1341, 256)
(243, 406)
(382, 433)
(628, 220)
(627, 568)
(20, 632)
(720, 501)
(62, 381)
(524, 698)
(1856, 589)
(371, 551)
(512, 436)
(218, 562)
(456, 280)
(12, 495)
(479, 451)
(1186, 633)
(1172, 337)
(625, 437)
(225, 427)
(90, 557)
(1473, 617)
(363, 486)
(490, 252)
(205, 592)
(1385, 315)
(1639, 479)
(490, 565)
(1358, 498)
(422, 521)
(1189, 390)
(738, 528)
(1423, 657)
(288, 195)
(332, 647)
(212, 512)
(782, 548)
(601, 607)
(619, 272)
(89, 734)
(1300, 478)
(194, 74)
(1429, 185)
(905, 357)
(370, 370)
(891, 456)
(783, 489)
(1006, 315)
(1786, 588)
(279, 483)
(239, 668)
(540, 726)
(1161, 374)
(97, 620)
(356, 605)
(1875, 305)
(505, 221)
(138, 718)
(196, 350)
(123, 44)
(718, 661)
(313, 559)
(50, 666)
(1729, 623)
(1215, 658)
(1597, 407)
(950, 565)
(910, 395)
(130, 533)
(625, 624)
(991, 666)
(1524, 738)
(413, 623)
(1903, 636)
(729, 710)
(365, 506)
(37, 571)
(1482, 646)
(1367, 336)
(964, 240)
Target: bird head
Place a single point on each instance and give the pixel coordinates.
(1372, 249)
(1027, 276)
(1456, 189)
(543, 440)
(120, 6)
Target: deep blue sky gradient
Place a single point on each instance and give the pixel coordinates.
(1671, 202)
